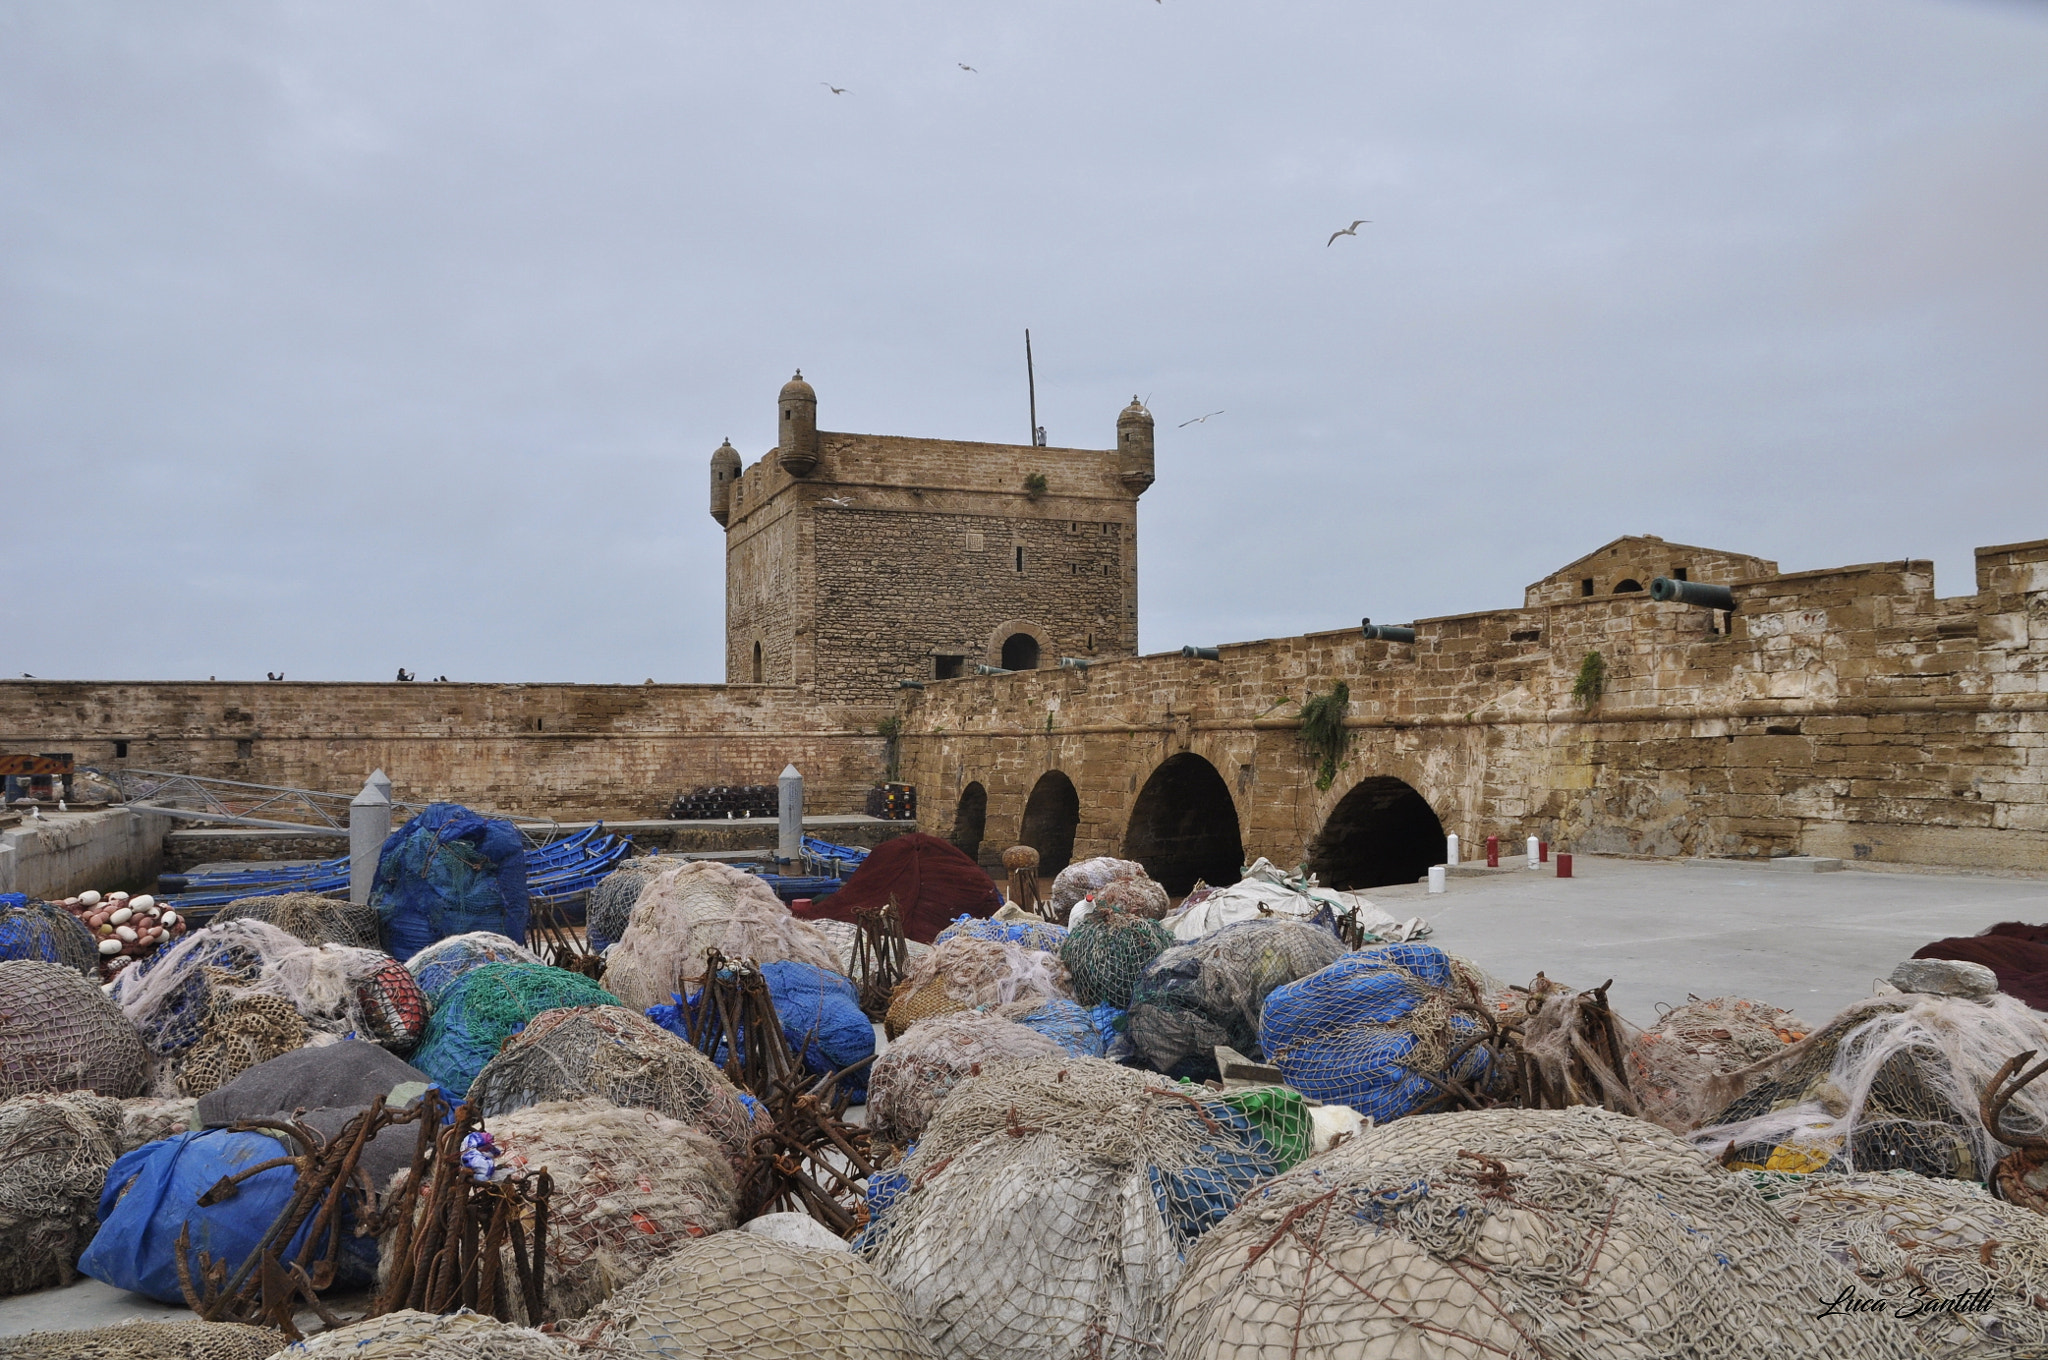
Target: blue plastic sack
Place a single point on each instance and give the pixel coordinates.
(153, 1192)
(1335, 1034)
(821, 1018)
(447, 872)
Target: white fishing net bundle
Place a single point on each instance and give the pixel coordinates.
(1670, 1063)
(700, 906)
(631, 1186)
(312, 917)
(1890, 1084)
(920, 1069)
(1517, 1234)
(58, 1032)
(1912, 1241)
(413, 1335)
(965, 972)
(187, 1340)
(144, 1119)
(1045, 1211)
(1087, 877)
(54, 1155)
(732, 1297)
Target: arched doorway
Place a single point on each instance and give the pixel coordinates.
(970, 819)
(1020, 652)
(1050, 816)
(1381, 832)
(1184, 826)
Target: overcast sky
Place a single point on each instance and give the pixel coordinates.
(338, 337)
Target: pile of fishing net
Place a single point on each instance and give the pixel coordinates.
(1197, 996)
(310, 917)
(1064, 1022)
(412, 1335)
(148, 1341)
(1108, 950)
(1266, 891)
(31, 928)
(487, 1006)
(1087, 877)
(703, 905)
(820, 1016)
(59, 1032)
(1018, 927)
(1670, 1063)
(962, 974)
(54, 1155)
(932, 882)
(1137, 895)
(1914, 1242)
(609, 905)
(921, 1069)
(1514, 1233)
(1047, 1208)
(2015, 952)
(1890, 1084)
(144, 1119)
(631, 1186)
(447, 872)
(439, 966)
(620, 1056)
(1376, 1030)
(731, 1296)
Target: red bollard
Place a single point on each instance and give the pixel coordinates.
(1543, 852)
(800, 905)
(1564, 865)
(1493, 852)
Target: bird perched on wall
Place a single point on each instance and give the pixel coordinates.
(1196, 421)
(1351, 230)
(836, 89)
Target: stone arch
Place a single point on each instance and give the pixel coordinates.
(1051, 816)
(1628, 585)
(1020, 653)
(1006, 634)
(1184, 826)
(1381, 832)
(970, 819)
(759, 671)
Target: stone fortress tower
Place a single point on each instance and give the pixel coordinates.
(854, 562)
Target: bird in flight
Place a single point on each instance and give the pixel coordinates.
(837, 500)
(1351, 230)
(836, 89)
(965, 67)
(1196, 421)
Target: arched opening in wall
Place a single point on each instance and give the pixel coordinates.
(757, 663)
(1050, 816)
(970, 819)
(1020, 652)
(1381, 832)
(1184, 826)
(1626, 585)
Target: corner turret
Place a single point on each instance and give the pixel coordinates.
(725, 470)
(1134, 447)
(797, 443)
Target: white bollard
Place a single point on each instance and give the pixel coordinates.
(383, 782)
(1436, 878)
(369, 823)
(1451, 848)
(789, 843)
(1533, 853)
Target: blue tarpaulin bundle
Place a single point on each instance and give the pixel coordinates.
(1361, 1032)
(154, 1191)
(447, 872)
(33, 929)
(820, 1015)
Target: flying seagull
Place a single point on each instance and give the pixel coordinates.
(837, 500)
(1351, 230)
(836, 89)
(1196, 421)
(965, 67)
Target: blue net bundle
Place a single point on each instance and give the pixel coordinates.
(446, 872)
(440, 966)
(1068, 1024)
(1108, 951)
(31, 928)
(1371, 1030)
(1030, 932)
(821, 1019)
(1208, 992)
(489, 1005)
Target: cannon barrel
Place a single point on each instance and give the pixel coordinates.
(990, 670)
(1201, 653)
(1075, 663)
(1388, 632)
(1697, 593)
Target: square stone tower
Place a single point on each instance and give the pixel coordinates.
(854, 562)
